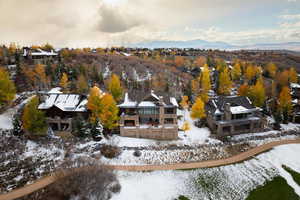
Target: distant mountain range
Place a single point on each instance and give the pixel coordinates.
(202, 44)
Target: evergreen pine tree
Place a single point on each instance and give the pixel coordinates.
(17, 125)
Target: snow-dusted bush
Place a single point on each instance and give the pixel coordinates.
(91, 181)
(110, 151)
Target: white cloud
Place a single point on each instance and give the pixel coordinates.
(116, 22)
(290, 17)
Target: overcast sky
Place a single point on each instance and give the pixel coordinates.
(80, 23)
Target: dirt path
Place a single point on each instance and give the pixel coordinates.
(43, 182)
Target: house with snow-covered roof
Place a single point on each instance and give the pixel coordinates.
(150, 116)
(295, 90)
(60, 108)
(231, 115)
(39, 55)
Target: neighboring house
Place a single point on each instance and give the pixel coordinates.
(231, 115)
(151, 116)
(61, 108)
(295, 90)
(296, 111)
(39, 56)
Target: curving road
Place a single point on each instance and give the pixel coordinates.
(43, 182)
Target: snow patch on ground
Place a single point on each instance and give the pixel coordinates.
(227, 182)
(49, 152)
(6, 118)
(194, 136)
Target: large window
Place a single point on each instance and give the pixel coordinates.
(243, 127)
(218, 117)
(169, 121)
(149, 111)
(226, 129)
(147, 120)
(169, 110)
(240, 116)
(129, 123)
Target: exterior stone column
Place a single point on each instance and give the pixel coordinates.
(161, 115)
(231, 130)
(59, 126)
(219, 130)
(251, 126)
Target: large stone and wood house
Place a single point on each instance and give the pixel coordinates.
(61, 108)
(150, 116)
(231, 115)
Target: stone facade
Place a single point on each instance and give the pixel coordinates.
(150, 118)
(61, 108)
(235, 115)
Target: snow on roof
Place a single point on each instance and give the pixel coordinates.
(81, 107)
(126, 54)
(238, 109)
(71, 102)
(173, 101)
(217, 111)
(146, 104)
(127, 102)
(49, 102)
(55, 90)
(40, 52)
(295, 85)
(214, 103)
(154, 95)
(65, 102)
(295, 101)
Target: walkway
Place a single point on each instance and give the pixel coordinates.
(43, 182)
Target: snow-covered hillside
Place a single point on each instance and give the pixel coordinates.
(227, 182)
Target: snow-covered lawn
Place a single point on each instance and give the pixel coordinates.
(7, 117)
(227, 182)
(194, 136)
(49, 152)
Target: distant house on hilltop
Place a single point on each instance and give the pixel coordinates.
(231, 115)
(61, 108)
(38, 55)
(149, 116)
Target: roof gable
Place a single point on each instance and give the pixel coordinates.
(235, 101)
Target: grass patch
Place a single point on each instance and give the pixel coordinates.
(276, 189)
(295, 175)
(181, 197)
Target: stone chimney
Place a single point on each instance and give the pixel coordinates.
(161, 110)
(161, 100)
(227, 111)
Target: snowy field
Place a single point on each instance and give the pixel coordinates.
(227, 182)
(194, 136)
(192, 145)
(195, 144)
(7, 117)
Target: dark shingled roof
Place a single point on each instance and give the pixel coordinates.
(220, 102)
(142, 95)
